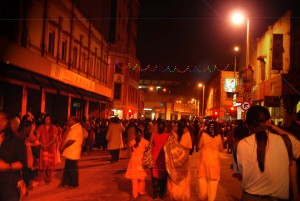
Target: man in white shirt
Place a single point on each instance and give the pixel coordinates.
(268, 180)
(71, 150)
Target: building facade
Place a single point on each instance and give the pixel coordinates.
(277, 69)
(53, 60)
(219, 97)
(121, 33)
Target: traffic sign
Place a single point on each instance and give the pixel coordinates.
(245, 105)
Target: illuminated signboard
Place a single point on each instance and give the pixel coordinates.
(230, 84)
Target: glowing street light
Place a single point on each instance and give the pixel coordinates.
(236, 50)
(238, 18)
(200, 85)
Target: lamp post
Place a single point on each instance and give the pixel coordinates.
(238, 18)
(203, 91)
(236, 49)
(194, 102)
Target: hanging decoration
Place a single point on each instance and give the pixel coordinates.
(188, 69)
(175, 69)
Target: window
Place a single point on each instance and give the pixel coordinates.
(64, 50)
(51, 39)
(118, 68)
(75, 57)
(91, 67)
(117, 91)
(97, 69)
(83, 62)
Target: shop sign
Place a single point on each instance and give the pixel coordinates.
(230, 84)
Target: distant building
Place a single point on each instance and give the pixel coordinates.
(52, 60)
(161, 101)
(219, 97)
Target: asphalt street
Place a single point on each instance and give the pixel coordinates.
(101, 180)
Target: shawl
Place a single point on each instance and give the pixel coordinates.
(176, 158)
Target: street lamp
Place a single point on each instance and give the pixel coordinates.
(238, 18)
(200, 85)
(194, 102)
(236, 49)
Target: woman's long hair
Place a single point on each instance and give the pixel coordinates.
(161, 127)
(212, 129)
(182, 124)
(257, 115)
(138, 136)
(24, 129)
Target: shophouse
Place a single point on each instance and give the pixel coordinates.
(52, 60)
(276, 72)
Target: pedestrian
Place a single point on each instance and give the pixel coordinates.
(26, 133)
(47, 135)
(135, 170)
(210, 145)
(294, 129)
(239, 132)
(196, 133)
(179, 178)
(103, 130)
(159, 172)
(148, 130)
(263, 158)
(114, 138)
(71, 150)
(12, 160)
(14, 124)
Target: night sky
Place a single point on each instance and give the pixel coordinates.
(195, 32)
(198, 32)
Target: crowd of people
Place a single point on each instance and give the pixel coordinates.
(31, 147)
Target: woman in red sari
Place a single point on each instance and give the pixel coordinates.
(47, 134)
(159, 172)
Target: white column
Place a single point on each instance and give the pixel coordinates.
(168, 111)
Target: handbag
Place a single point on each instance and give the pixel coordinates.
(147, 161)
(22, 189)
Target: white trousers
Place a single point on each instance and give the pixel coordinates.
(207, 189)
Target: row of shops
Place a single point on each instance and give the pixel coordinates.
(23, 91)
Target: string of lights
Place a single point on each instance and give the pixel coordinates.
(175, 69)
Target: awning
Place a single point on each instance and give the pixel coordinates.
(15, 75)
(77, 92)
(92, 96)
(64, 88)
(43, 82)
(18, 76)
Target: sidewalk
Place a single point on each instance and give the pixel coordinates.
(100, 180)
